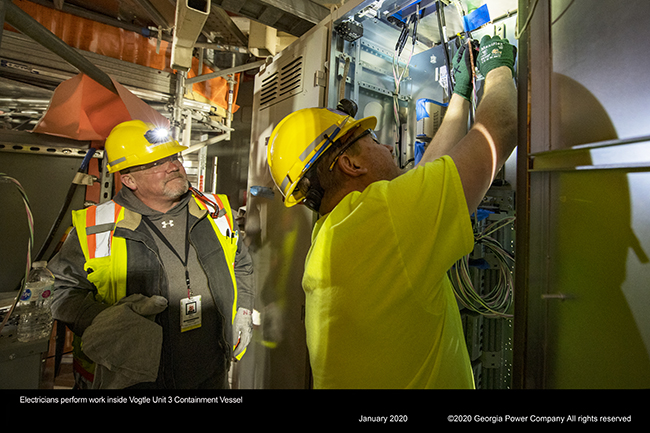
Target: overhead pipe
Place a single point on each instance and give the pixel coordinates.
(221, 47)
(222, 72)
(188, 24)
(27, 25)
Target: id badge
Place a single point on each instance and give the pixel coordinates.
(190, 313)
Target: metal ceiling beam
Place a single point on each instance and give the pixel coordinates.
(294, 17)
(100, 18)
(306, 10)
(220, 22)
(159, 19)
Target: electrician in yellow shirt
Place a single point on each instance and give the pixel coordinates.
(380, 310)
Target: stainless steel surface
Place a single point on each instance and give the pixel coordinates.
(588, 171)
(279, 237)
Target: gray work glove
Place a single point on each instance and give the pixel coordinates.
(496, 52)
(125, 342)
(242, 332)
(462, 70)
(146, 306)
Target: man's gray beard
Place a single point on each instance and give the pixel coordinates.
(176, 192)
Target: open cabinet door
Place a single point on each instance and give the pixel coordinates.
(588, 167)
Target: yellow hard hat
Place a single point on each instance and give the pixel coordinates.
(300, 139)
(135, 143)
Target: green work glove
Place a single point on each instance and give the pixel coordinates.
(496, 52)
(462, 71)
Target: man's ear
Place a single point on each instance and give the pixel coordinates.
(128, 181)
(351, 166)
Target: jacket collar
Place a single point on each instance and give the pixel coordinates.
(132, 218)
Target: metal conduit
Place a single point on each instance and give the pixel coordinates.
(222, 72)
(35, 30)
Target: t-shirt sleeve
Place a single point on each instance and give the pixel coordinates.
(430, 217)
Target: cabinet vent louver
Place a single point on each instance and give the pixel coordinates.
(286, 81)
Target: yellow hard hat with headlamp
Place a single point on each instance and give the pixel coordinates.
(135, 142)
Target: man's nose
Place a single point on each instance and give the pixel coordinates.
(174, 165)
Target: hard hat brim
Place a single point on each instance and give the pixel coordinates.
(293, 196)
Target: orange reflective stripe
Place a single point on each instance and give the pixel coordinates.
(221, 206)
(105, 238)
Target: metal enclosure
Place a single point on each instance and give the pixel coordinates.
(325, 65)
(279, 238)
(583, 321)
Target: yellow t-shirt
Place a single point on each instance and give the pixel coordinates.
(380, 310)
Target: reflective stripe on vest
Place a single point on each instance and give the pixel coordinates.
(107, 256)
(100, 222)
(223, 226)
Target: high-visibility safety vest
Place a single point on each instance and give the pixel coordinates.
(106, 254)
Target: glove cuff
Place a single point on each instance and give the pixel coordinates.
(464, 91)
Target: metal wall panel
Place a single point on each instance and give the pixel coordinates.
(588, 168)
(46, 180)
(279, 237)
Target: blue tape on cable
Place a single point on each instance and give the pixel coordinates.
(481, 214)
(262, 191)
(476, 18)
(421, 109)
(418, 151)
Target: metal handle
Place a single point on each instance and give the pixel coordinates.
(561, 296)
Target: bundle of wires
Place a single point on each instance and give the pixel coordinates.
(399, 47)
(30, 244)
(494, 301)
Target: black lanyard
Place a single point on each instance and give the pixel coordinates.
(169, 245)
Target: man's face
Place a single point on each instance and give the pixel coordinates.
(378, 158)
(165, 180)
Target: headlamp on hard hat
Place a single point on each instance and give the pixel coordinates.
(157, 135)
(136, 143)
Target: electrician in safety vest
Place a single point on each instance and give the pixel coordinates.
(380, 311)
(156, 283)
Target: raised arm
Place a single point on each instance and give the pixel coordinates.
(452, 129)
(493, 137)
(454, 125)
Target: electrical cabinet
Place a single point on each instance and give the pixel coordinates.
(391, 58)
